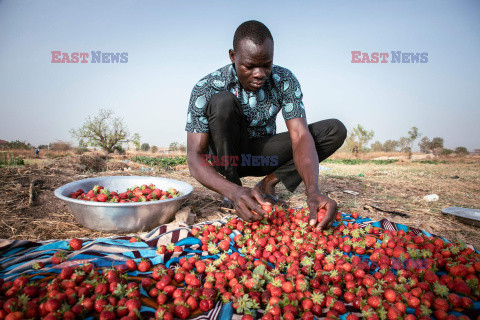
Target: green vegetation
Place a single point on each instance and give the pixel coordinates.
(163, 162)
(9, 159)
(430, 161)
(359, 161)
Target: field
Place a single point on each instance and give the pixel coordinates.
(29, 210)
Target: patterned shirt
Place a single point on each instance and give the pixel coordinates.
(281, 91)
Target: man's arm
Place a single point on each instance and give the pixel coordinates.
(197, 144)
(306, 161)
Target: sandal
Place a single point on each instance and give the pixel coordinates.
(275, 200)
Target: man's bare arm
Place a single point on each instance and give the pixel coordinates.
(197, 144)
(306, 161)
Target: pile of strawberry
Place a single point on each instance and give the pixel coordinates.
(291, 270)
(278, 268)
(135, 194)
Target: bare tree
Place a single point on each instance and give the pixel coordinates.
(104, 131)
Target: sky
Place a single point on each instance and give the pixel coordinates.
(173, 44)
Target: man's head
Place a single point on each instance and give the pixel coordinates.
(252, 54)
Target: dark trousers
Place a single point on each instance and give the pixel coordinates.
(259, 157)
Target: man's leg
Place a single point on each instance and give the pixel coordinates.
(328, 136)
(228, 132)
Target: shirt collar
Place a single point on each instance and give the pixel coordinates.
(233, 74)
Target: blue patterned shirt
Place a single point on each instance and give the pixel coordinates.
(281, 91)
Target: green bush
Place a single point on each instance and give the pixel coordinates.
(9, 159)
(163, 162)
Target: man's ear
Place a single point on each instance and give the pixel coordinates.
(231, 53)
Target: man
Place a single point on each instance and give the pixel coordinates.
(232, 114)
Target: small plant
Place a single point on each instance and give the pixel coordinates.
(9, 159)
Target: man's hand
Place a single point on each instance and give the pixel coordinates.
(244, 200)
(316, 201)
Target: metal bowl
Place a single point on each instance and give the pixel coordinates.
(123, 217)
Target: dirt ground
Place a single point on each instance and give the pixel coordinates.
(394, 187)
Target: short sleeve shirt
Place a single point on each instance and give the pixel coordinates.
(281, 91)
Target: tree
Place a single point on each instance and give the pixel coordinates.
(358, 139)
(377, 146)
(436, 145)
(145, 147)
(17, 144)
(136, 141)
(82, 143)
(404, 144)
(390, 145)
(461, 151)
(173, 146)
(154, 149)
(413, 135)
(446, 152)
(424, 145)
(105, 131)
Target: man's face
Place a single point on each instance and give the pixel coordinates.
(253, 63)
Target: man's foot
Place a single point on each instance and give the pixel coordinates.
(266, 187)
(226, 203)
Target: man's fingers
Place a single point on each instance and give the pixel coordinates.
(259, 198)
(323, 224)
(327, 221)
(245, 214)
(256, 208)
(313, 214)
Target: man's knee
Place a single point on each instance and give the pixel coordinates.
(338, 130)
(221, 105)
(333, 128)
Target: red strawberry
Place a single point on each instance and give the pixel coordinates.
(374, 301)
(135, 239)
(38, 265)
(162, 249)
(131, 265)
(182, 312)
(192, 303)
(287, 287)
(52, 305)
(224, 245)
(59, 256)
(206, 305)
(107, 315)
(102, 197)
(393, 313)
(76, 244)
(144, 265)
(133, 304)
(390, 295)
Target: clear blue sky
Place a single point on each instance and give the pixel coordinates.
(172, 44)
